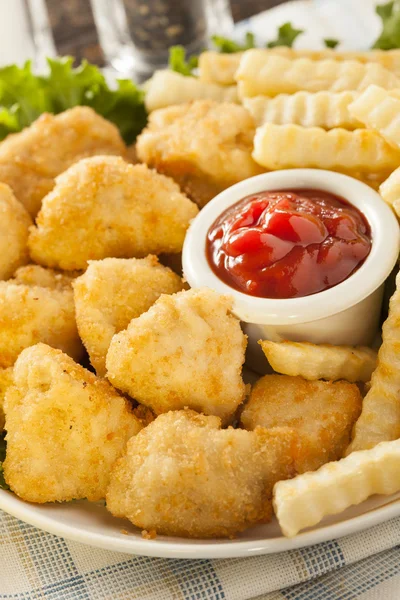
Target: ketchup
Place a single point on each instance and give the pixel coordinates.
(288, 244)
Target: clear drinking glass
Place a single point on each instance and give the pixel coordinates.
(135, 34)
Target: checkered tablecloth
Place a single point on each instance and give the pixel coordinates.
(36, 565)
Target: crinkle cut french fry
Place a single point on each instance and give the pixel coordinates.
(305, 500)
(324, 361)
(322, 109)
(380, 417)
(260, 73)
(167, 88)
(379, 109)
(390, 190)
(292, 146)
(216, 67)
(220, 68)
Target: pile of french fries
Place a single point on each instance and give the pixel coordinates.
(338, 111)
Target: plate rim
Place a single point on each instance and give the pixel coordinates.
(159, 548)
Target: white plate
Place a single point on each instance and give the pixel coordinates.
(91, 523)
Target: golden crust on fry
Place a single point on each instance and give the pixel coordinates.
(6, 379)
(380, 417)
(205, 146)
(184, 476)
(321, 361)
(31, 314)
(103, 206)
(378, 109)
(30, 160)
(14, 229)
(35, 275)
(111, 293)
(187, 350)
(65, 428)
(305, 500)
(322, 413)
(390, 191)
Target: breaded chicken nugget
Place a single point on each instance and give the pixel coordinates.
(65, 428)
(103, 206)
(14, 229)
(205, 146)
(32, 314)
(323, 414)
(111, 293)
(187, 350)
(6, 379)
(182, 475)
(30, 160)
(48, 278)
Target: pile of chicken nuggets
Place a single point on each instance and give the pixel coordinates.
(117, 381)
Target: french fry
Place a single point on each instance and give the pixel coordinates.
(305, 500)
(167, 88)
(323, 361)
(379, 109)
(287, 146)
(322, 109)
(380, 417)
(220, 68)
(261, 73)
(216, 67)
(390, 191)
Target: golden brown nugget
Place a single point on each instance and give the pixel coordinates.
(65, 428)
(104, 207)
(14, 230)
(322, 413)
(30, 160)
(187, 350)
(6, 379)
(35, 275)
(111, 293)
(205, 146)
(182, 475)
(380, 417)
(30, 314)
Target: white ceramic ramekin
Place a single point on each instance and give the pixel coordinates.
(345, 314)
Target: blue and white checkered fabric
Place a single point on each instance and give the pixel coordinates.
(36, 565)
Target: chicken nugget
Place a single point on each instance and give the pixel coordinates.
(205, 146)
(65, 428)
(104, 207)
(6, 379)
(31, 159)
(48, 278)
(321, 412)
(14, 229)
(111, 293)
(31, 314)
(187, 350)
(182, 475)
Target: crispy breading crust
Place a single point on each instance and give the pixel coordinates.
(31, 159)
(323, 414)
(182, 475)
(102, 207)
(65, 428)
(187, 350)
(35, 275)
(14, 229)
(32, 314)
(205, 146)
(6, 379)
(111, 293)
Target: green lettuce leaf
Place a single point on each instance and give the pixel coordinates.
(179, 63)
(24, 96)
(227, 46)
(331, 43)
(286, 36)
(389, 38)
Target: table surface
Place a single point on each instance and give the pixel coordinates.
(75, 33)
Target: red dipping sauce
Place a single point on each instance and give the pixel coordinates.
(288, 244)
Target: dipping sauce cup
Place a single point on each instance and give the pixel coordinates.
(347, 313)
